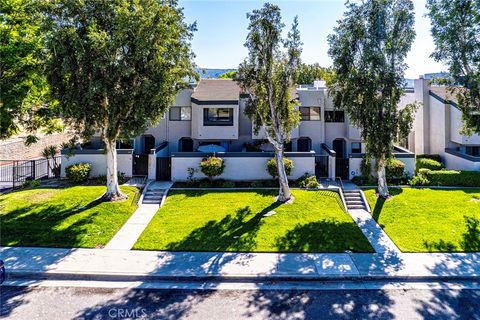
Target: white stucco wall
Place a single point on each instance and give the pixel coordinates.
(98, 163)
(437, 126)
(241, 168)
(152, 167)
(453, 162)
(355, 163)
(199, 131)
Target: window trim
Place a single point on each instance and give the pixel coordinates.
(309, 115)
(209, 123)
(180, 113)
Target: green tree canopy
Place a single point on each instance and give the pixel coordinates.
(368, 48)
(456, 32)
(24, 96)
(116, 67)
(308, 73)
(228, 75)
(268, 75)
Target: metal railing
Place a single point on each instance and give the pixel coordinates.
(14, 173)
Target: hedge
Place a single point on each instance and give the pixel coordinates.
(430, 164)
(435, 157)
(395, 169)
(272, 167)
(454, 178)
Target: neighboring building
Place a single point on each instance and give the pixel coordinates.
(324, 143)
(437, 127)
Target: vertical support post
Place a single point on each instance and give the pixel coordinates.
(13, 174)
(32, 169)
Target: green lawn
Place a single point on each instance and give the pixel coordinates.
(422, 220)
(62, 217)
(235, 221)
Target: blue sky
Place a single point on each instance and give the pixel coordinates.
(222, 28)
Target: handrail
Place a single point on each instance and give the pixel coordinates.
(342, 197)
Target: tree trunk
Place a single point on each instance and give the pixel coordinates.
(284, 193)
(382, 179)
(113, 190)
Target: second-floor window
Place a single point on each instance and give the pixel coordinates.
(334, 116)
(180, 113)
(310, 113)
(356, 147)
(218, 117)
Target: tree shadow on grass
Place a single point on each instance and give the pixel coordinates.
(37, 225)
(377, 210)
(324, 236)
(470, 239)
(233, 233)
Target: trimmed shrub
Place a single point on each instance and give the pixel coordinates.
(309, 182)
(256, 184)
(227, 184)
(205, 183)
(272, 167)
(425, 163)
(395, 169)
(78, 172)
(212, 167)
(454, 178)
(122, 178)
(420, 180)
(435, 157)
(366, 168)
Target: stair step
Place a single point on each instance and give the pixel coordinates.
(353, 203)
(356, 206)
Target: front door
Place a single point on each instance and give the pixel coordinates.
(148, 144)
(164, 168)
(341, 162)
(140, 164)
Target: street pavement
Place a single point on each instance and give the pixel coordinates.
(100, 303)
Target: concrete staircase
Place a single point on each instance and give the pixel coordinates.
(354, 200)
(154, 194)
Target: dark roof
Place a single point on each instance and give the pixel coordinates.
(216, 90)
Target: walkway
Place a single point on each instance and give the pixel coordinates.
(126, 237)
(379, 240)
(133, 265)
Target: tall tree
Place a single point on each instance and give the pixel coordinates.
(456, 32)
(308, 73)
(267, 75)
(368, 48)
(24, 94)
(116, 67)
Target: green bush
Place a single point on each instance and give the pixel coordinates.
(227, 184)
(424, 163)
(309, 182)
(454, 178)
(122, 178)
(272, 167)
(419, 180)
(366, 168)
(423, 172)
(31, 184)
(395, 169)
(204, 183)
(256, 184)
(435, 157)
(78, 172)
(212, 167)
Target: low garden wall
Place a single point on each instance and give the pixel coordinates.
(457, 161)
(407, 159)
(241, 165)
(98, 161)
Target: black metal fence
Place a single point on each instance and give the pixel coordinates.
(321, 166)
(14, 173)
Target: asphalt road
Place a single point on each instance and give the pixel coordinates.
(87, 303)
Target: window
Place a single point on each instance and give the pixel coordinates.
(473, 151)
(180, 113)
(218, 117)
(310, 113)
(356, 147)
(334, 116)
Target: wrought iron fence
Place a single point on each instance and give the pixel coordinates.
(14, 173)
(321, 166)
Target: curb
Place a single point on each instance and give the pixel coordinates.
(26, 275)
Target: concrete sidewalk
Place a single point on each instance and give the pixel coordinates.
(132, 265)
